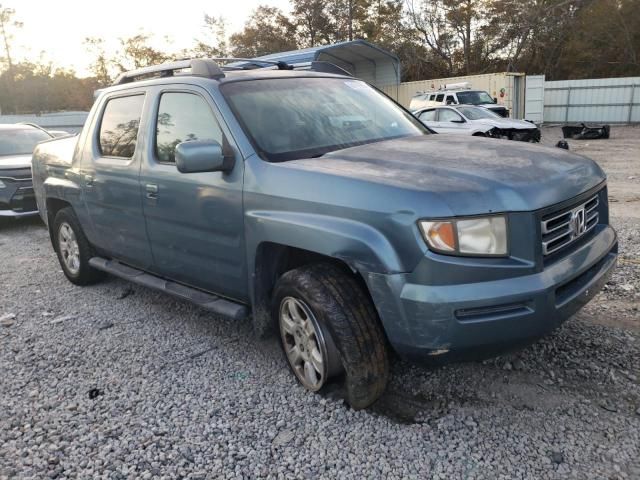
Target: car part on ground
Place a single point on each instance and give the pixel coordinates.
(586, 132)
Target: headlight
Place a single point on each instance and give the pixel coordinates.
(477, 236)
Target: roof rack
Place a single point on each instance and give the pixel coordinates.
(200, 67)
(210, 68)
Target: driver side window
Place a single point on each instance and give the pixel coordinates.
(448, 115)
(183, 117)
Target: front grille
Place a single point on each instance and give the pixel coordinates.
(560, 229)
(16, 174)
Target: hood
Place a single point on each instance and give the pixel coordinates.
(470, 175)
(505, 123)
(11, 162)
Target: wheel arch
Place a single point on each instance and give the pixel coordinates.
(274, 259)
(54, 205)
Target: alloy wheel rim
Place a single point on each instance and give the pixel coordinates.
(69, 249)
(303, 343)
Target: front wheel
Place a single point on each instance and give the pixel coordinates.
(329, 328)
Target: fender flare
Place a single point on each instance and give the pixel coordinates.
(359, 245)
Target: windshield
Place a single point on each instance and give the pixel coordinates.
(474, 98)
(292, 118)
(20, 141)
(476, 113)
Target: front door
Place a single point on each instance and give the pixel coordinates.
(194, 220)
(110, 180)
(450, 121)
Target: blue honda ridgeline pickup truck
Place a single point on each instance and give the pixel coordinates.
(318, 206)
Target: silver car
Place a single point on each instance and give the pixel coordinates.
(477, 121)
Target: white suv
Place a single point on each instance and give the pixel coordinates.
(456, 96)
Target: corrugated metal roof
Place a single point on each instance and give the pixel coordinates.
(361, 58)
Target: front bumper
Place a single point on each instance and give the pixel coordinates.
(427, 320)
(532, 135)
(17, 198)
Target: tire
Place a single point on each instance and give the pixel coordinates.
(74, 251)
(347, 323)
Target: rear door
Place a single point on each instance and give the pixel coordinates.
(110, 175)
(195, 220)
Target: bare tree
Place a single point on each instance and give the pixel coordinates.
(8, 24)
(101, 66)
(213, 42)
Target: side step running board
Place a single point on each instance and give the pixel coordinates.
(205, 300)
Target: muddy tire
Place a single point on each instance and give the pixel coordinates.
(348, 332)
(73, 249)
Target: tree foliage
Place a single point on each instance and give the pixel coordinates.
(562, 39)
(268, 30)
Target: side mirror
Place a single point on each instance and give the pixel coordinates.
(495, 99)
(202, 156)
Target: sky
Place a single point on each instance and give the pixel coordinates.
(59, 27)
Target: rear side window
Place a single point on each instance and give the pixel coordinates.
(440, 97)
(428, 116)
(183, 117)
(119, 126)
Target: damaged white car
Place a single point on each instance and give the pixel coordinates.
(477, 121)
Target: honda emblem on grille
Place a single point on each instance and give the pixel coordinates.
(579, 222)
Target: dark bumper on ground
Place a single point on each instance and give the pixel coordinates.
(425, 321)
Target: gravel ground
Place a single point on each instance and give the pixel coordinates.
(115, 381)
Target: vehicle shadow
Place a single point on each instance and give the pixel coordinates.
(8, 224)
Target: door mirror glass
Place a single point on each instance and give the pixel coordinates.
(202, 156)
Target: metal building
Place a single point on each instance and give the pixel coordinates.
(603, 100)
(359, 57)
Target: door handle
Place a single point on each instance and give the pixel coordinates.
(152, 190)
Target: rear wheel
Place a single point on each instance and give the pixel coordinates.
(73, 249)
(329, 329)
